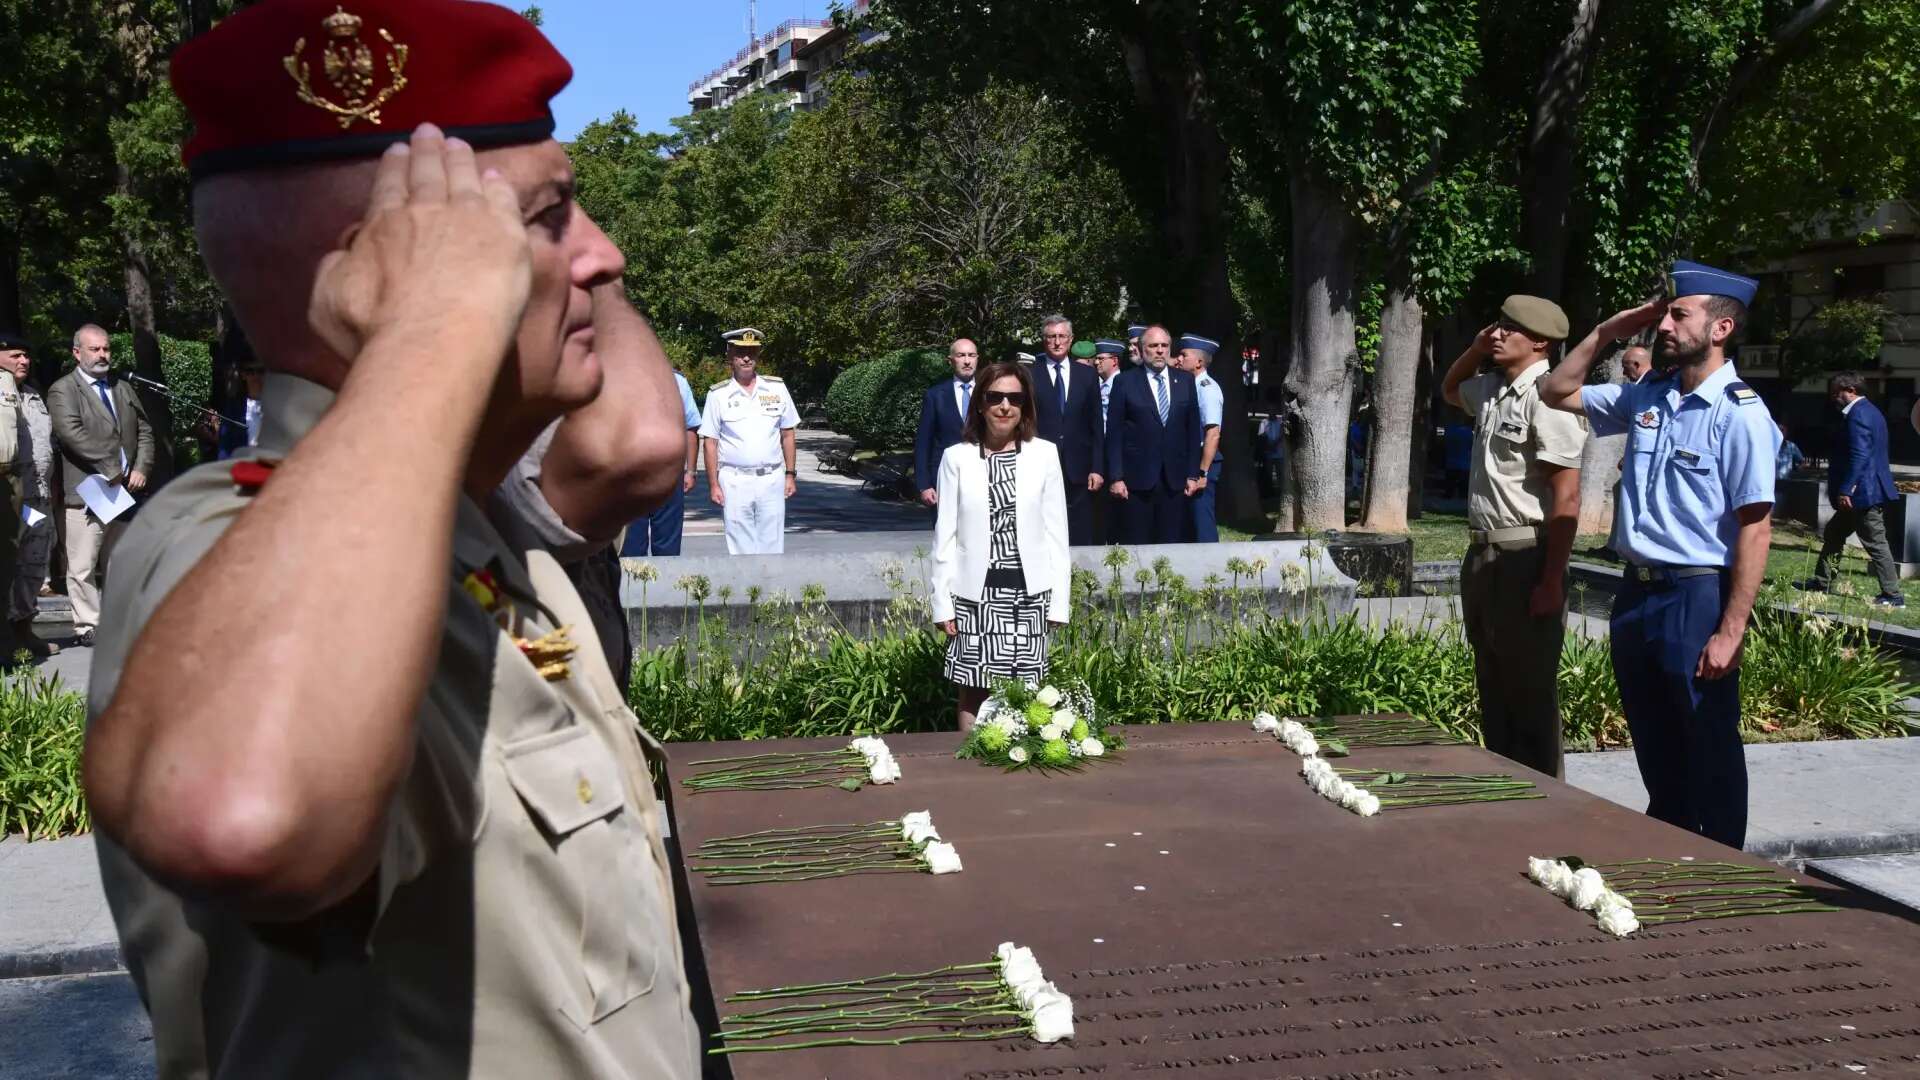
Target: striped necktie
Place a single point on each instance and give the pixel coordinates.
(1160, 392)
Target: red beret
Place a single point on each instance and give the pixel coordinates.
(286, 82)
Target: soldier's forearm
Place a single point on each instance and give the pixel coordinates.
(1563, 524)
(1749, 565)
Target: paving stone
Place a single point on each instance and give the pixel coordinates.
(1896, 877)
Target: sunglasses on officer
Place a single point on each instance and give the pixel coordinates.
(1016, 398)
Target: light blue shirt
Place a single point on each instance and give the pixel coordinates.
(1212, 404)
(1692, 460)
(686, 401)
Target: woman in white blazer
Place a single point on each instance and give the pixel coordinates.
(1000, 564)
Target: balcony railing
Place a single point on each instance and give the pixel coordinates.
(766, 41)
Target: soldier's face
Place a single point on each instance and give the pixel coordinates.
(1685, 330)
(571, 256)
(1106, 364)
(15, 361)
(742, 362)
(93, 355)
(1193, 360)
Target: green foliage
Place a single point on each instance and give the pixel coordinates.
(1223, 651)
(877, 403)
(42, 729)
(1844, 334)
(189, 372)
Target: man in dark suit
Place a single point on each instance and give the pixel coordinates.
(1069, 417)
(943, 417)
(101, 429)
(1859, 484)
(1153, 445)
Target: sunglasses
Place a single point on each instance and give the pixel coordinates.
(1004, 397)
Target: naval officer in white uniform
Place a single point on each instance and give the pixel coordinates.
(747, 430)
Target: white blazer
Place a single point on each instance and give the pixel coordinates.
(963, 530)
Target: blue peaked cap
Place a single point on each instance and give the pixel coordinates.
(1699, 279)
(1136, 330)
(1195, 341)
(1108, 345)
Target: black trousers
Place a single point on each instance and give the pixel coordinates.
(1158, 515)
(1080, 514)
(1870, 524)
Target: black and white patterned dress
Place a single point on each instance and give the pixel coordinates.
(1003, 635)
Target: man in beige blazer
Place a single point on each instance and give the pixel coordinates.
(101, 428)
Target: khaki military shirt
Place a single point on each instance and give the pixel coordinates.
(10, 423)
(36, 446)
(521, 921)
(1515, 435)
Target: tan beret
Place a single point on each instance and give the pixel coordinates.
(1541, 318)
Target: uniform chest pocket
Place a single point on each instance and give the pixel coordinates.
(1642, 439)
(588, 871)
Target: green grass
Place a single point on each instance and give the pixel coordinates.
(42, 727)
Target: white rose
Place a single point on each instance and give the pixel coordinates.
(1017, 965)
(1266, 723)
(1092, 747)
(1018, 755)
(1350, 796)
(1064, 717)
(1560, 880)
(1369, 805)
(1008, 723)
(1290, 730)
(941, 857)
(1052, 1016)
(1048, 696)
(1306, 746)
(1588, 888)
(883, 769)
(1537, 869)
(1619, 921)
(1051, 732)
(919, 821)
(1610, 900)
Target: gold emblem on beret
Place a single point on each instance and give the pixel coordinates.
(348, 64)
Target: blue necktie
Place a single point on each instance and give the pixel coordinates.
(1060, 376)
(106, 398)
(966, 398)
(1160, 393)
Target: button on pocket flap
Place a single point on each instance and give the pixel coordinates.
(567, 778)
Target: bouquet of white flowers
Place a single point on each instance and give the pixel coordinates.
(1624, 896)
(1054, 727)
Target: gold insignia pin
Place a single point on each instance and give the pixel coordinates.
(348, 64)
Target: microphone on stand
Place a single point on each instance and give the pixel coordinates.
(163, 388)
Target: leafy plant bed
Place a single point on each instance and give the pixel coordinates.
(42, 728)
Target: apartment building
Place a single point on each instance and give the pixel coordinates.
(791, 60)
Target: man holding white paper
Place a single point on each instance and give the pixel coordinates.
(103, 433)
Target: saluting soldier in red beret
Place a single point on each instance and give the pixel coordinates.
(370, 802)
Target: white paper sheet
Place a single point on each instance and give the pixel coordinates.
(31, 516)
(106, 500)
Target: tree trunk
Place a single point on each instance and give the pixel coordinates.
(1547, 177)
(146, 342)
(1600, 466)
(1320, 376)
(1422, 430)
(11, 317)
(1390, 458)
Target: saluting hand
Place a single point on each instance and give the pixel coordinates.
(1633, 320)
(1483, 341)
(441, 246)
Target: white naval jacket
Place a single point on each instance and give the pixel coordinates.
(962, 530)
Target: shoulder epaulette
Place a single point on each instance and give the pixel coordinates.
(1743, 394)
(721, 385)
(774, 379)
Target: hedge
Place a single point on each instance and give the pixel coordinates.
(876, 403)
(189, 373)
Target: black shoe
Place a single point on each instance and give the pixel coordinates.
(1890, 600)
(84, 639)
(1811, 585)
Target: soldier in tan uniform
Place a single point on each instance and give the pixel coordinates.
(369, 801)
(1523, 508)
(13, 352)
(34, 465)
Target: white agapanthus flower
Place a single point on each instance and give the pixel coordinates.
(1052, 1015)
(941, 858)
(1018, 755)
(1619, 921)
(1266, 724)
(918, 826)
(1048, 696)
(1092, 747)
(1588, 888)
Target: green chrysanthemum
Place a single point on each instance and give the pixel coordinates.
(1079, 731)
(1056, 752)
(1038, 714)
(992, 738)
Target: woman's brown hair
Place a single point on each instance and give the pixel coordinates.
(976, 429)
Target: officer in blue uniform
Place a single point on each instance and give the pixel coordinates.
(1196, 354)
(1691, 519)
(1133, 342)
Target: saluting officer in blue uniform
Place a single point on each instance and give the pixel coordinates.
(1692, 521)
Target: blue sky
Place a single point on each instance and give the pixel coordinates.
(639, 55)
